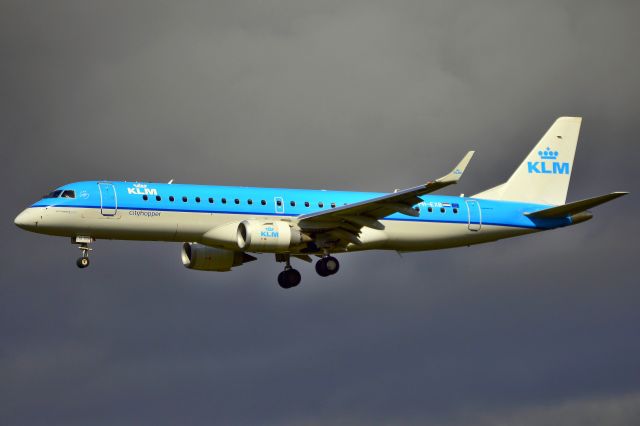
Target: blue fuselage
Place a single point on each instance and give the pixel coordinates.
(145, 199)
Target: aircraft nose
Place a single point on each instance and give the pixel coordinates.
(26, 220)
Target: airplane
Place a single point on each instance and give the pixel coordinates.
(220, 226)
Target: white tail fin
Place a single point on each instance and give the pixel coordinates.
(543, 177)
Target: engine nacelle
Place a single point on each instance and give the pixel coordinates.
(268, 237)
(205, 258)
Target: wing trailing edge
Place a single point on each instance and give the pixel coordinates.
(344, 223)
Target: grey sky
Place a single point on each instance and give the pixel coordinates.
(356, 95)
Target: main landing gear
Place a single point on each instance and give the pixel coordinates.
(290, 277)
(326, 266)
(83, 243)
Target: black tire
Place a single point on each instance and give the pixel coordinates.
(82, 262)
(292, 277)
(321, 268)
(289, 278)
(281, 281)
(332, 265)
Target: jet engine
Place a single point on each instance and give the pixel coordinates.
(205, 258)
(268, 237)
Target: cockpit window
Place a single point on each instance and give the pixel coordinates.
(53, 194)
(68, 193)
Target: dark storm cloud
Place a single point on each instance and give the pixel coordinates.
(352, 95)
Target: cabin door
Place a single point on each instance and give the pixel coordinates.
(475, 215)
(108, 199)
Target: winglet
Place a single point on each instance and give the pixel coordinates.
(455, 174)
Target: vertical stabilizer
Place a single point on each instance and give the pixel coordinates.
(543, 177)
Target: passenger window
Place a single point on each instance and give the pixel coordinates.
(249, 201)
(210, 200)
(263, 202)
(293, 204)
(306, 204)
(320, 204)
(144, 197)
(417, 209)
(224, 201)
(429, 209)
(184, 199)
(441, 209)
(237, 201)
(171, 198)
(197, 199)
(279, 202)
(158, 198)
(455, 211)
(333, 205)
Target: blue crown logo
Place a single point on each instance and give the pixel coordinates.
(548, 154)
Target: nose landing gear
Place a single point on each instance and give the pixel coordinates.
(82, 262)
(83, 242)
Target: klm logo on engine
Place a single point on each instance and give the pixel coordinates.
(269, 232)
(548, 167)
(141, 189)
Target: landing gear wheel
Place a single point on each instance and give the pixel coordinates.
(289, 278)
(82, 262)
(83, 243)
(321, 268)
(332, 265)
(327, 266)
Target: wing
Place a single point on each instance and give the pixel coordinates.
(345, 222)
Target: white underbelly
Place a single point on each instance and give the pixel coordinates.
(151, 225)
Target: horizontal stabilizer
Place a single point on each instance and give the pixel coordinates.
(575, 207)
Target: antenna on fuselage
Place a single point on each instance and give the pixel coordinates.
(170, 182)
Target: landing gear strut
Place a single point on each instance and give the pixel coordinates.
(326, 266)
(289, 277)
(83, 242)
